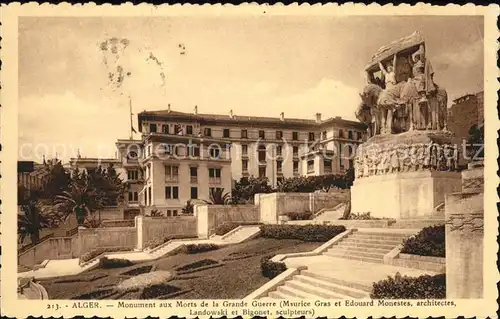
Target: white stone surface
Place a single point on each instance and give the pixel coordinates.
(403, 195)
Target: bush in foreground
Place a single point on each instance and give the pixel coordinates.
(108, 263)
(430, 241)
(271, 269)
(403, 287)
(225, 228)
(99, 251)
(160, 241)
(299, 215)
(200, 248)
(312, 233)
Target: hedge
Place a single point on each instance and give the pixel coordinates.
(200, 248)
(430, 241)
(160, 241)
(404, 287)
(312, 233)
(271, 269)
(299, 215)
(226, 227)
(107, 263)
(99, 251)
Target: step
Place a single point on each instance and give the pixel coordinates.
(344, 283)
(380, 236)
(277, 295)
(334, 287)
(372, 241)
(361, 249)
(365, 259)
(292, 293)
(314, 290)
(356, 253)
(365, 245)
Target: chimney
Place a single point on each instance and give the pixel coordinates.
(318, 117)
(196, 109)
(168, 108)
(231, 113)
(282, 116)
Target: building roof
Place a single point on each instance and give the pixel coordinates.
(206, 118)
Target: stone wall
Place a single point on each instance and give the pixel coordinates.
(112, 212)
(211, 216)
(464, 245)
(154, 228)
(53, 248)
(273, 205)
(92, 238)
(436, 264)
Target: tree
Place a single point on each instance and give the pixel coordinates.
(475, 141)
(189, 208)
(81, 199)
(218, 197)
(245, 189)
(58, 179)
(31, 221)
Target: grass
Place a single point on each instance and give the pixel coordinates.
(234, 280)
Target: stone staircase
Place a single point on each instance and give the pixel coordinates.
(310, 285)
(366, 246)
(241, 234)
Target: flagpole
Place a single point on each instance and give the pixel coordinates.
(130, 109)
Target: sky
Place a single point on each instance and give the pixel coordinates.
(258, 66)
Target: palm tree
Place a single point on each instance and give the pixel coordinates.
(81, 199)
(31, 221)
(218, 197)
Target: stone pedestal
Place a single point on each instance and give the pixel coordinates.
(407, 195)
(405, 176)
(464, 238)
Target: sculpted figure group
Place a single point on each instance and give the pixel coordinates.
(406, 158)
(404, 97)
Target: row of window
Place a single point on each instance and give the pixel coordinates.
(192, 150)
(226, 133)
(172, 192)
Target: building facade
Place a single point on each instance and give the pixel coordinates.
(184, 156)
(275, 148)
(466, 111)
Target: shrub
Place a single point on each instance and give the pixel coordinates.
(271, 269)
(160, 241)
(107, 263)
(99, 251)
(299, 215)
(197, 264)
(404, 287)
(314, 233)
(226, 227)
(200, 248)
(430, 241)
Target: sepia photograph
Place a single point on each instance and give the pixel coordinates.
(282, 164)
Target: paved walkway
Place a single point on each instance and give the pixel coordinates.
(365, 273)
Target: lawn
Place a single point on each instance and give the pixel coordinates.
(231, 272)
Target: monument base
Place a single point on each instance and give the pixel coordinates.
(405, 195)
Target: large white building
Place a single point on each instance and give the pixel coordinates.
(265, 146)
(182, 156)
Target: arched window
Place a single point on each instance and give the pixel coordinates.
(341, 134)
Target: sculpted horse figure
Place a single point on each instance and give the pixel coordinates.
(382, 104)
